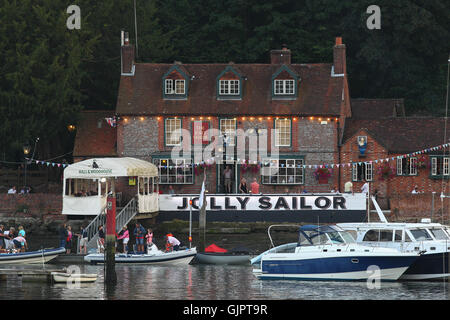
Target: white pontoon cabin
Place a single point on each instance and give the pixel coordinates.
(87, 184)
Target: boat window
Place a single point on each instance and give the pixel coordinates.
(303, 240)
(421, 234)
(439, 234)
(348, 237)
(353, 233)
(320, 239)
(335, 237)
(372, 235)
(407, 238)
(386, 235)
(398, 236)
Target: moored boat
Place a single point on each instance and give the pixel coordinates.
(61, 277)
(30, 257)
(216, 255)
(432, 239)
(330, 253)
(153, 256)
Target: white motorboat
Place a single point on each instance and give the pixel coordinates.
(433, 239)
(30, 257)
(330, 253)
(153, 256)
(61, 277)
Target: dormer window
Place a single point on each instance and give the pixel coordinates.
(175, 86)
(175, 83)
(285, 84)
(229, 84)
(284, 87)
(229, 87)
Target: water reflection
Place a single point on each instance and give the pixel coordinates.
(207, 282)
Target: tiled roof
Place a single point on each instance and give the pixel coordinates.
(401, 135)
(318, 94)
(377, 108)
(92, 141)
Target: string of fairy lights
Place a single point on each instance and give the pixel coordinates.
(212, 161)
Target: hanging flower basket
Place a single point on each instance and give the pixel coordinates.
(386, 172)
(422, 162)
(322, 174)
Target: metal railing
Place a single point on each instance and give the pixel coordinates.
(126, 214)
(122, 218)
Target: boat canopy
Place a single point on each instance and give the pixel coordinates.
(326, 234)
(110, 167)
(320, 229)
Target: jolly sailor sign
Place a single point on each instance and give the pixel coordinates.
(266, 202)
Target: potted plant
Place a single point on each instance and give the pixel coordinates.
(322, 174)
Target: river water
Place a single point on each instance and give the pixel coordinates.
(208, 282)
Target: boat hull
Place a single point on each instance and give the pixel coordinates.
(32, 257)
(173, 258)
(222, 259)
(59, 277)
(353, 268)
(434, 266)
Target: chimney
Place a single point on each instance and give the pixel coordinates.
(282, 56)
(339, 62)
(127, 54)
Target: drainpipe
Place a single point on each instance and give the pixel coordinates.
(339, 155)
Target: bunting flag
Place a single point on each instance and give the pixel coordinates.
(111, 121)
(212, 161)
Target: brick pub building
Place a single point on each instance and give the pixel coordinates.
(316, 122)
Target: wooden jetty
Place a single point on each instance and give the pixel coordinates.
(30, 275)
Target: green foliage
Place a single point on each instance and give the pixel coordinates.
(49, 73)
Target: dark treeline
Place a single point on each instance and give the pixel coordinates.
(49, 73)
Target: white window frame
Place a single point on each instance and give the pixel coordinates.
(285, 88)
(177, 171)
(228, 126)
(172, 125)
(229, 87)
(283, 130)
(444, 165)
(412, 168)
(368, 171)
(273, 172)
(172, 88)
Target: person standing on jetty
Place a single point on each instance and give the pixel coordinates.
(63, 236)
(69, 239)
(83, 239)
(139, 233)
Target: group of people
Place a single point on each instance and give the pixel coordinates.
(12, 242)
(144, 239)
(254, 186)
(13, 190)
(66, 238)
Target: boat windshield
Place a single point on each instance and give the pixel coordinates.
(420, 234)
(323, 235)
(439, 234)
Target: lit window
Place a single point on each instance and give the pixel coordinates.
(173, 132)
(282, 171)
(177, 171)
(228, 128)
(284, 87)
(282, 132)
(229, 87)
